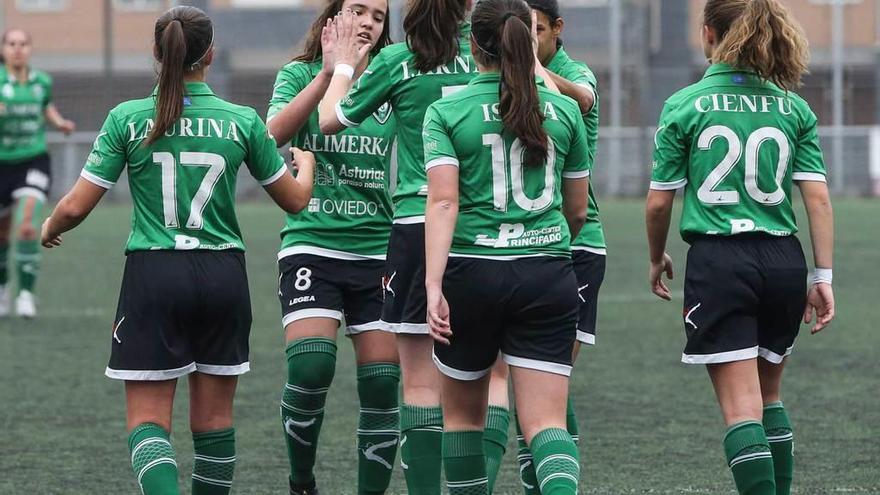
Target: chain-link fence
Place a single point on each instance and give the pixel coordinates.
(858, 174)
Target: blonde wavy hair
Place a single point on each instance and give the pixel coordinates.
(760, 35)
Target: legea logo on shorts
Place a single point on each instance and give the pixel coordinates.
(516, 235)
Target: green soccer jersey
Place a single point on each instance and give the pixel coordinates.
(22, 115)
(183, 184)
(507, 210)
(349, 215)
(591, 236)
(392, 78)
(736, 143)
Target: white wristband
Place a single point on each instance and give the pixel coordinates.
(344, 70)
(822, 276)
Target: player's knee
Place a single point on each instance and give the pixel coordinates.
(311, 362)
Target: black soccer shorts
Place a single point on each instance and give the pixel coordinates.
(181, 312)
(744, 297)
(312, 286)
(405, 307)
(589, 268)
(526, 308)
(29, 178)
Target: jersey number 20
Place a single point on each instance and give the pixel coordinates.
(500, 176)
(215, 164)
(707, 191)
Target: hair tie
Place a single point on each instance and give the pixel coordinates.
(507, 16)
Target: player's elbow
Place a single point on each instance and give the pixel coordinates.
(69, 210)
(329, 124)
(585, 101)
(659, 203)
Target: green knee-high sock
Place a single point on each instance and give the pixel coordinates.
(311, 364)
(527, 476)
(27, 263)
(378, 426)
(27, 252)
(749, 458)
(152, 459)
(465, 463)
(556, 462)
(4, 264)
(571, 422)
(421, 440)
(777, 426)
(214, 462)
(495, 440)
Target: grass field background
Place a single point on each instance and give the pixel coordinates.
(648, 423)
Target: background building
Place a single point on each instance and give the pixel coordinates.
(99, 52)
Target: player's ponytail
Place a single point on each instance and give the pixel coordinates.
(432, 31)
(183, 37)
(760, 35)
(503, 37)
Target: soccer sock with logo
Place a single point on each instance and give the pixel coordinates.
(4, 264)
(378, 426)
(777, 426)
(749, 458)
(152, 459)
(311, 364)
(527, 476)
(495, 440)
(465, 463)
(214, 462)
(556, 462)
(27, 252)
(421, 440)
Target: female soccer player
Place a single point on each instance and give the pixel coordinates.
(184, 307)
(736, 141)
(435, 61)
(507, 191)
(25, 175)
(332, 257)
(576, 80)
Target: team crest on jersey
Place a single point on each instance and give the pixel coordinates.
(8, 91)
(383, 113)
(38, 91)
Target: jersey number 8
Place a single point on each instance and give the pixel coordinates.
(707, 192)
(500, 176)
(216, 165)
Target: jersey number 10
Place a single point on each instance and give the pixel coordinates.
(500, 176)
(215, 163)
(707, 191)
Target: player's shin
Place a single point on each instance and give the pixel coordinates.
(465, 463)
(213, 462)
(556, 462)
(311, 364)
(527, 476)
(749, 458)
(152, 460)
(777, 426)
(421, 434)
(378, 426)
(495, 440)
(27, 251)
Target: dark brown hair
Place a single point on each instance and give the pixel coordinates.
(760, 35)
(313, 50)
(503, 37)
(183, 36)
(432, 31)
